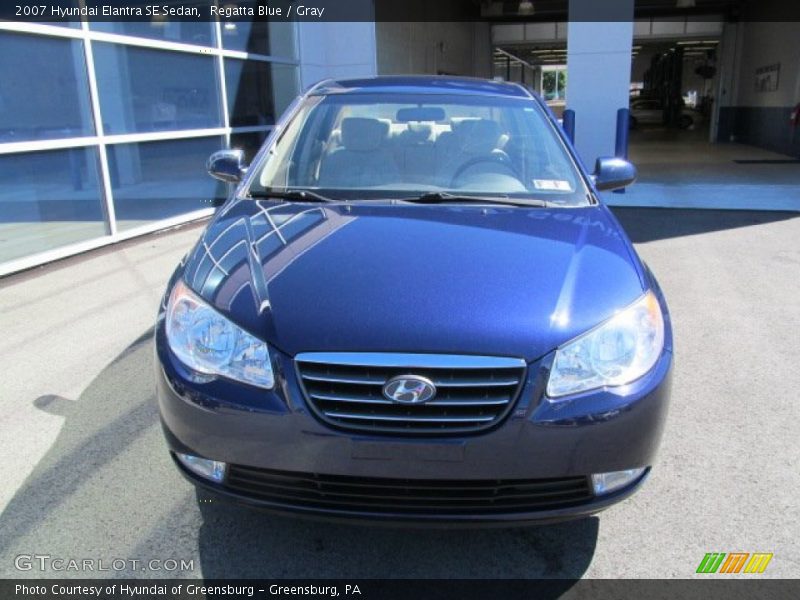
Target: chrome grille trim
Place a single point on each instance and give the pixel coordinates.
(439, 383)
(399, 360)
(409, 419)
(474, 393)
(466, 402)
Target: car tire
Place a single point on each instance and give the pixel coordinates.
(632, 122)
(686, 122)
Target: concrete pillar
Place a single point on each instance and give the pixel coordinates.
(598, 72)
(726, 94)
(336, 50)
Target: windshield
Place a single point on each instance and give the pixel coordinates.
(363, 146)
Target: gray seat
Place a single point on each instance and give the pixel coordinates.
(447, 142)
(362, 160)
(415, 153)
(475, 144)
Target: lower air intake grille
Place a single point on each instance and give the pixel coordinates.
(473, 393)
(407, 496)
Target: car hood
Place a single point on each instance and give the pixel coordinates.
(452, 279)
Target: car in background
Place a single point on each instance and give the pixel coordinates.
(414, 307)
(650, 111)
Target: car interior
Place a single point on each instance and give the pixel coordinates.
(419, 147)
(462, 152)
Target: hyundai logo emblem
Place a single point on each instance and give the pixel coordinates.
(409, 389)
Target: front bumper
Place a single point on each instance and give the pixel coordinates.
(595, 432)
(221, 493)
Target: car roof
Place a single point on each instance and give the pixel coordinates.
(420, 84)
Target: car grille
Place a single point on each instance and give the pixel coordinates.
(406, 496)
(474, 393)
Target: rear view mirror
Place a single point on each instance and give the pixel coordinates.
(420, 113)
(613, 173)
(227, 165)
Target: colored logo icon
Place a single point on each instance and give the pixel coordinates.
(734, 562)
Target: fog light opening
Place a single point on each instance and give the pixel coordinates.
(213, 470)
(605, 483)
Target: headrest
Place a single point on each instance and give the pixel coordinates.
(363, 135)
(457, 122)
(480, 136)
(417, 133)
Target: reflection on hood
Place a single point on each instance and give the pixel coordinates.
(383, 277)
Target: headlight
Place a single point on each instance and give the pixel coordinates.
(207, 342)
(617, 352)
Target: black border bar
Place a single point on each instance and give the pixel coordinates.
(734, 587)
(496, 11)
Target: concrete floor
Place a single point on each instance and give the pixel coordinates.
(681, 169)
(86, 473)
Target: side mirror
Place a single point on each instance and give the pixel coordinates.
(227, 165)
(613, 173)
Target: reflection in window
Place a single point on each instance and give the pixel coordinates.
(249, 142)
(185, 32)
(152, 181)
(48, 199)
(151, 90)
(258, 92)
(259, 37)
(44, 93)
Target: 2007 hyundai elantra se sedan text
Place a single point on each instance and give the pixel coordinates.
(414, 307)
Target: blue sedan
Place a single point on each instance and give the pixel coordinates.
(414, 308)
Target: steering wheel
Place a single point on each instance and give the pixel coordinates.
(500, 158)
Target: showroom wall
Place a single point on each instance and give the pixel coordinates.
(105, 127)
(767, 89)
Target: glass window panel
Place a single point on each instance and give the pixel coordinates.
(259, 37)
(152, 181)
(142, 89)
(258, 92)
(44, 93)
(48, 199)
(200, 33)
(250, 142)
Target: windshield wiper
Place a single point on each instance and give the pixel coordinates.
(443, 197)
(288, 194)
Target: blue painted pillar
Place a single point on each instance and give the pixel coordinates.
(599, 41)
(621, 137)
(568, 123)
